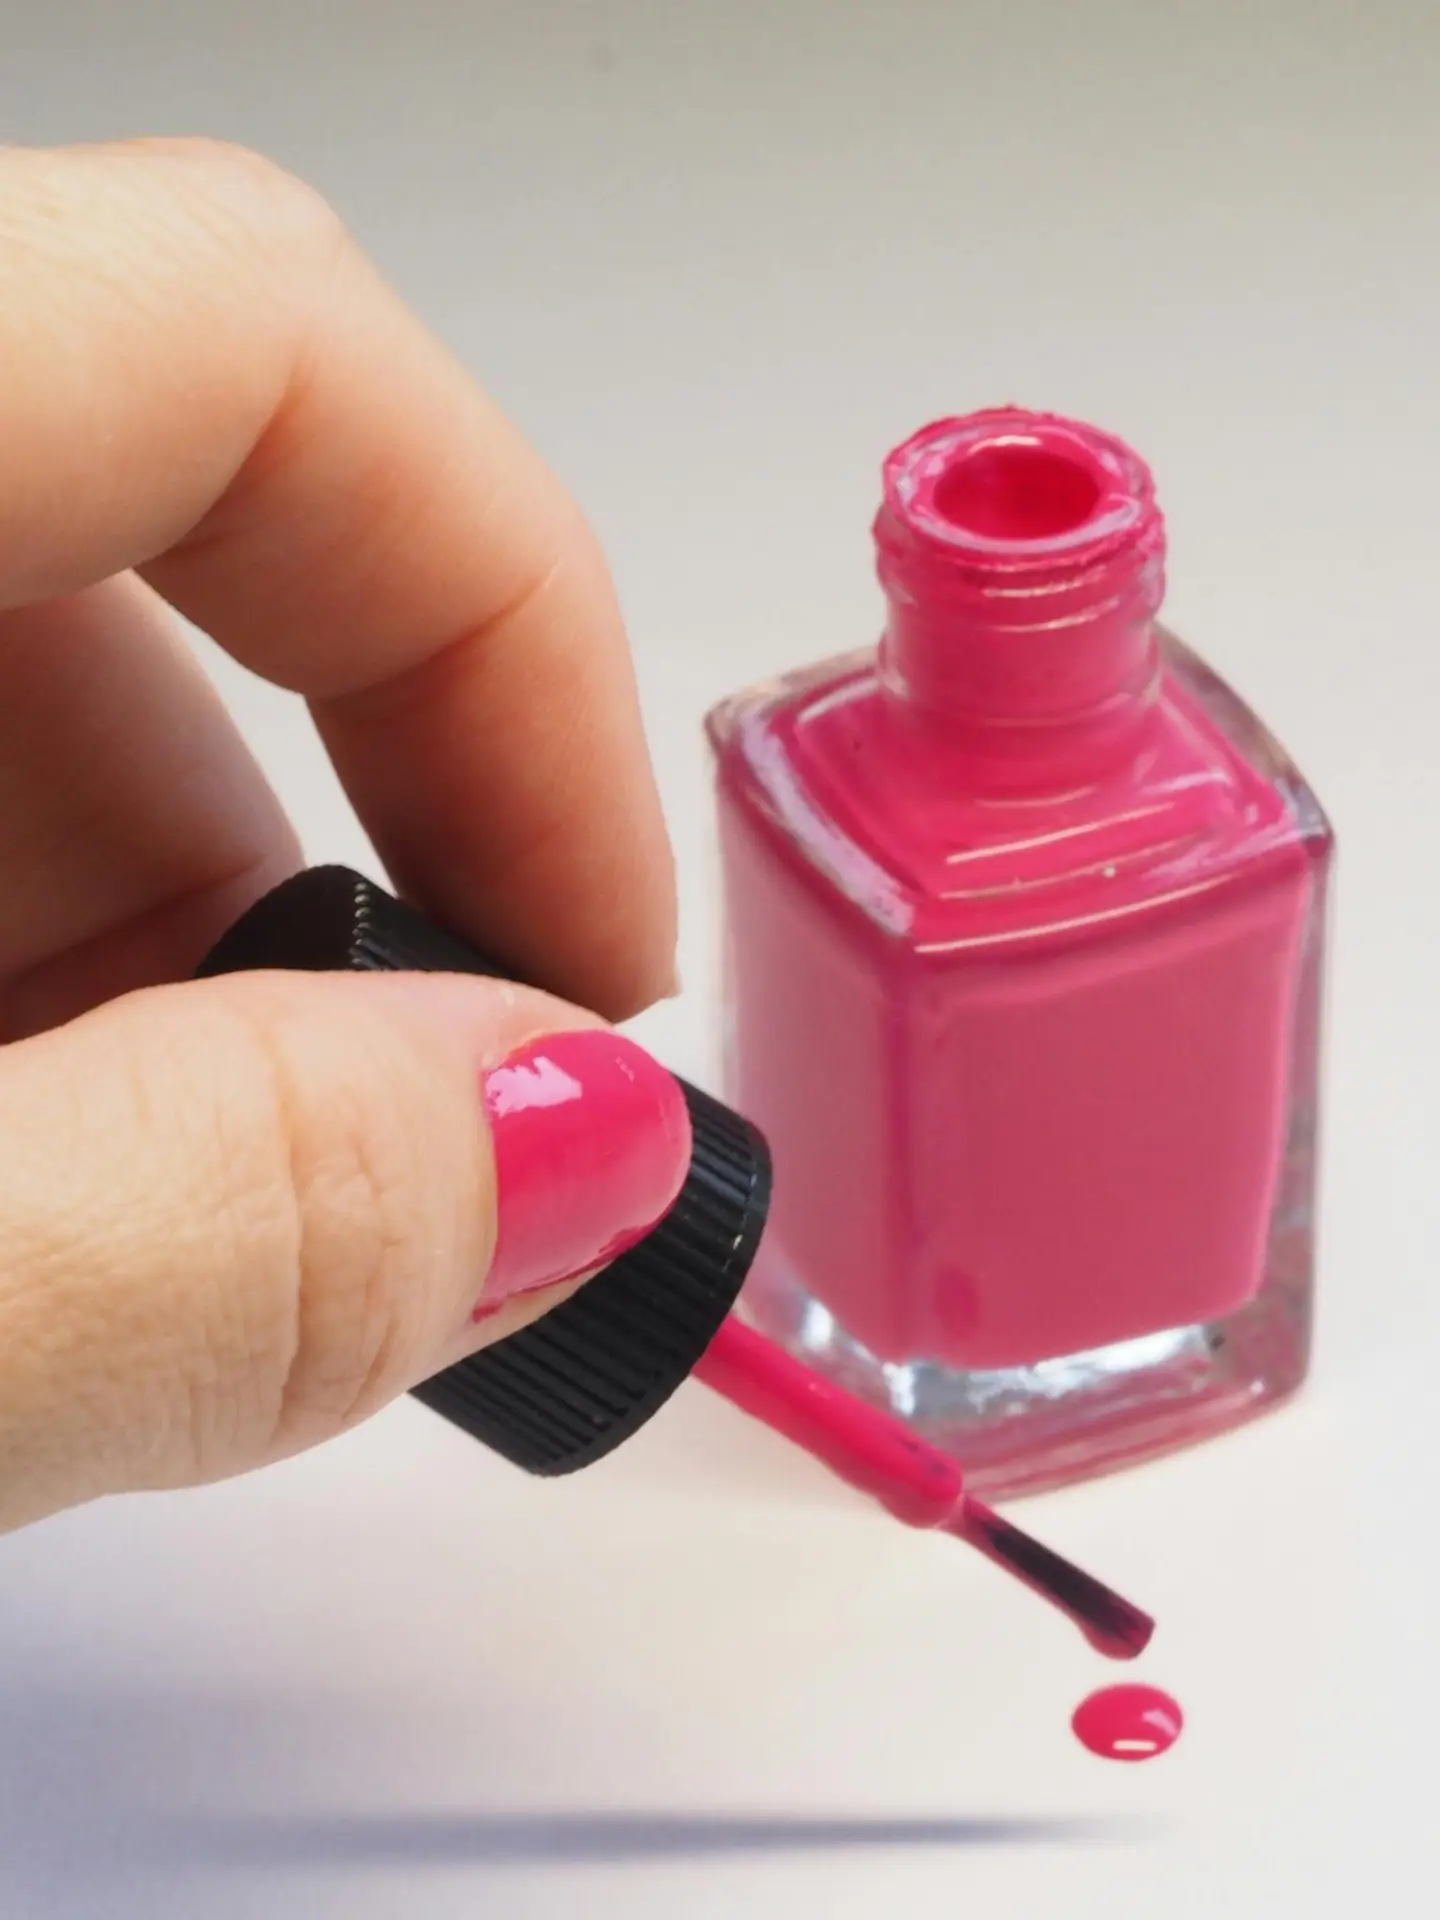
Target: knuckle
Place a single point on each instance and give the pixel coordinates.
(251, 206)
(277, 1267)
(147, 221)
(237, 1250)
(356, 1192)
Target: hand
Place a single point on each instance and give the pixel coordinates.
(238, 1215)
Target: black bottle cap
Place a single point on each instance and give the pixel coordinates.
(568, 1389)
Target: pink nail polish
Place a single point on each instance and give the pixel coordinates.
(592, 1141)
(1025, 922)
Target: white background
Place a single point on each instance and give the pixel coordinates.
(716, 256)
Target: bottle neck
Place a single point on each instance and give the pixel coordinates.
(1022, 560)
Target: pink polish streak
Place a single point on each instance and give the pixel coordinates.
(915, 1482)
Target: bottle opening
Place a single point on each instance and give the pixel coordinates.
(1022, 559)
(1017, 489)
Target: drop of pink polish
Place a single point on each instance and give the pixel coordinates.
(1128, 1723)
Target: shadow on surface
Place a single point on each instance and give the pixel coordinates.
(583, 1839)
(113, 1799)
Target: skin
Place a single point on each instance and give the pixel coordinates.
(237, 1216)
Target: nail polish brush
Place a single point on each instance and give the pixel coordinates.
(567, 1390)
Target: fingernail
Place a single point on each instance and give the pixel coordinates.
(592, 1144)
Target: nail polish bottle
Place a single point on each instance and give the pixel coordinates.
(1025, 914)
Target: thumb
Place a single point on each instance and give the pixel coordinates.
(239, 1215)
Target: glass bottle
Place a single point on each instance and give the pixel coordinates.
(1024, 926)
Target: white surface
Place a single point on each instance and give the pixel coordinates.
(715, 258)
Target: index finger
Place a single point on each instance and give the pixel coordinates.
(207, 381)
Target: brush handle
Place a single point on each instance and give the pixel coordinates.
(866, 1448)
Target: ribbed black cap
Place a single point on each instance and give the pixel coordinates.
(565, 1391)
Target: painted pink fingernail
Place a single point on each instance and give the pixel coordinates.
(592, 1144)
